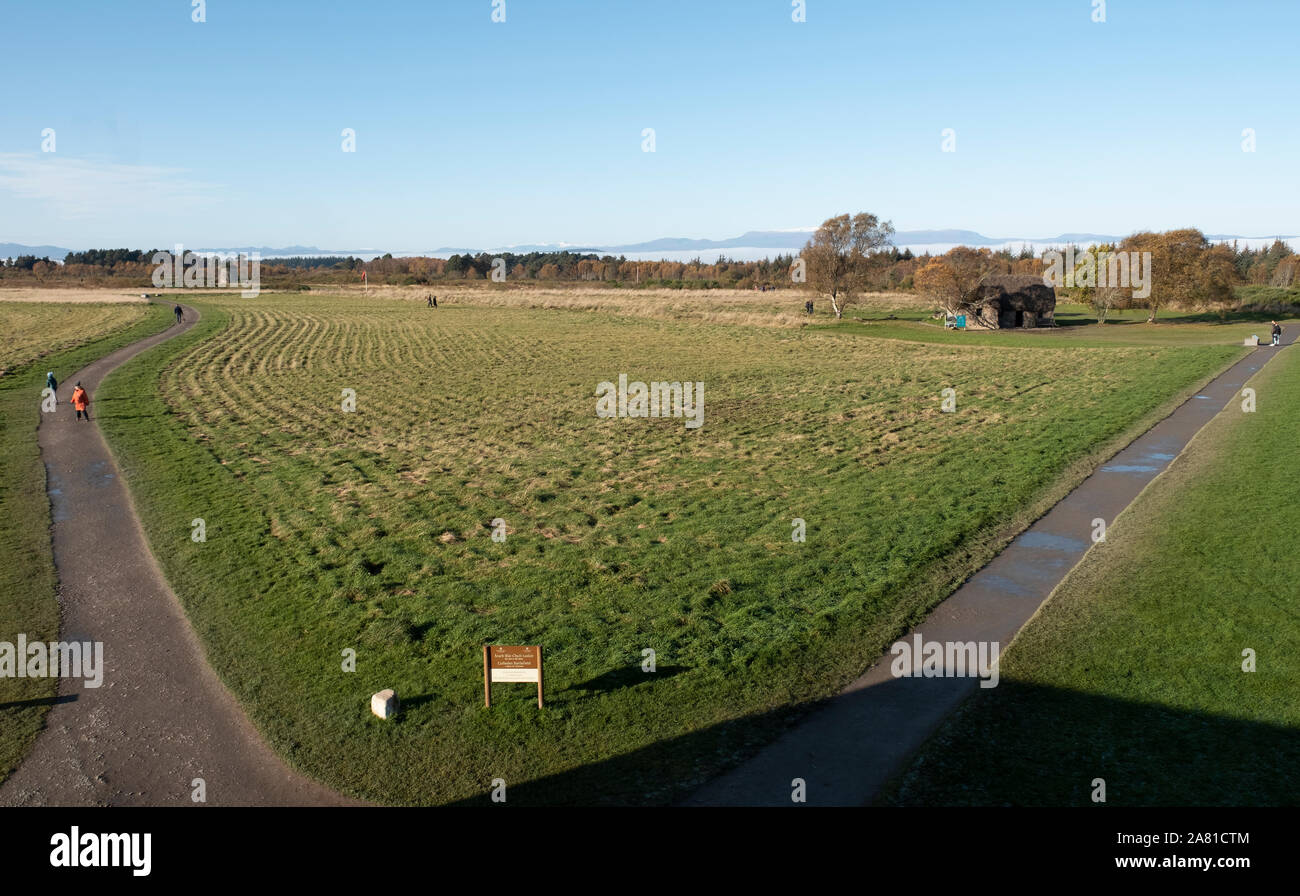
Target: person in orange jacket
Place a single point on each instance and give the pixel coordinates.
(81, 401)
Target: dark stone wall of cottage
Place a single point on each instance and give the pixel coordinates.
(1015, 302)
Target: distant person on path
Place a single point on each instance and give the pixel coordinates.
(179, 314)
(1277, 333)
(53, 385)
(808, 307)
(81, 401)
(433, 301)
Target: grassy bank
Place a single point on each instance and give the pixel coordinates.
(1133, 671)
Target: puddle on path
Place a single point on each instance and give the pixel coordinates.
(1048, 542)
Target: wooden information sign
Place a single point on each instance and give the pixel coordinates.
(502, 663)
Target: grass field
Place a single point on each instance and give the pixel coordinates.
(1133, 671)
(33, 330)
(370, 530)
(35, 338)
(1076, 327)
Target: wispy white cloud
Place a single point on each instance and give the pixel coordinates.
(86, 188)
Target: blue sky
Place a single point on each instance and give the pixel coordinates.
(470, 132)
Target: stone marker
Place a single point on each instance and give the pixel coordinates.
(384, 704)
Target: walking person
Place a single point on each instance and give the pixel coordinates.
(179, 312)
(53, 385)
(1277, 333)
(81, 401)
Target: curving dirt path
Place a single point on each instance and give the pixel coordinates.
(161, 718)
(848, 749)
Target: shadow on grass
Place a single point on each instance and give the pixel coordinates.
(1231, 317)
(1017, 744)
(626, 677)
(39, 701)
(1189, 317)
(405, 703)
(1065, 322)
(1027, 744)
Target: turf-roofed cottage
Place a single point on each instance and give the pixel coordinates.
(1013, 302)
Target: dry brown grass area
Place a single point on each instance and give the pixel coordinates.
(32, 330)
(69, 295)
(730, 306)
(783, 309)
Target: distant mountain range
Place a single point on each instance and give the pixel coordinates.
(787, 240)
(775, 240)
(784, 240)
(13, 250)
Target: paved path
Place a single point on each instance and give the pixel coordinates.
(847, 750)
(161, 717)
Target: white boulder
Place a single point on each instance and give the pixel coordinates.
(384, 704)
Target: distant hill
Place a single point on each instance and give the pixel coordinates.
(774, 240)
(1228, 237)
(959, 237)
(784, 240)
(286, 252)
(779, 240)
(1084, 238)
(13, 250)
(753, 239)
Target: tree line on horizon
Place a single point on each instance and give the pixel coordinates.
(1189, 270)
(1181, 268)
